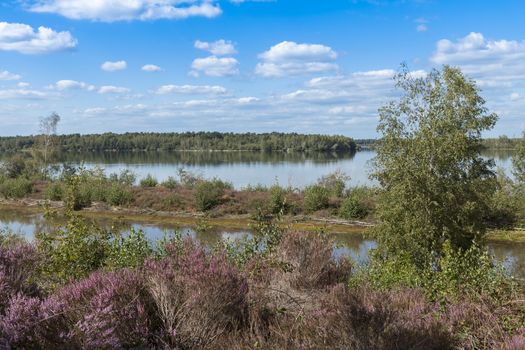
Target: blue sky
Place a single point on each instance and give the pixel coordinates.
(285, 65)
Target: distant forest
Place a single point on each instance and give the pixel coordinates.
(186, 141)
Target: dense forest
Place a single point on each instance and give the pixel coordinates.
(187, 141)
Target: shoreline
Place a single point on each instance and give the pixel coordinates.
(241, 222)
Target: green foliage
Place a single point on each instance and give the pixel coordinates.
(185, 141)
(77, 196)
(277, 200)
(126, 177)
(316, 197)
(470, 272)
(118, 195)
(189, 179)
(335, 183)
(128, 250)
(434, 185)
(170, 183)
(353, 208)
(208, 194)
(149, 181)
(71, 252)
(55, 191)
(457, 273)
(518, 161)
(16, 188)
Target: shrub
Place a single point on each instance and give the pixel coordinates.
(71, 252)
(335, 183)
(55, 191)
(118, 195)
(316, 198)
(16, 188)
(126, 177)
(353, 208)
(107, 310)
(128, 250)
(208, 194)
(277, 200)
(17, 271)
(170, 183)
(199, 296)
(149, 181)
(309, 260)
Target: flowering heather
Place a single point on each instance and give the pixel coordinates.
(106, 310)
(17, 265)
(199, 296)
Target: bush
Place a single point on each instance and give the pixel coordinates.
(170, 183)
(316, 198)
(353, 208)
(128, 250)
(199, 296)
(126, 177)
(277, 200)
(208, 194)
(119, 195)
(149, 181)
(55, 191)
(107, 310)
(335, 183)
(71, 252)
(16, 188)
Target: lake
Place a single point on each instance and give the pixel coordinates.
(247, 168)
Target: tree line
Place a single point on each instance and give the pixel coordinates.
(186, 141)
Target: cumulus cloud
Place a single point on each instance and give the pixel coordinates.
(191, 89)
(66, 84)
(290, 58)
(151, 68)
(214, 66)
(5, 75)
(126, 10)
(109, 66)
(23, 84)
(24, 39)
(218, 48)
(497, 60)
(514, 96)
(110, 89)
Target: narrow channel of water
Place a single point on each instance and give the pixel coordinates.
(356, 246)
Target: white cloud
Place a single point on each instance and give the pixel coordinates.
(290, 58)
(151, 68)
(23, 38)
(110, 89)
(191, 89)
(496, 60)
(126, 10)
(218, 48)
(514, 96)
(63, 85)
(214, 66)
(23, 84)
(109, 66)
(22, 94)
(5, 75)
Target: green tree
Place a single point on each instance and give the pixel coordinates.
(518, 162)
(435, 187)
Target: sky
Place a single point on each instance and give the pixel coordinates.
(304, 66)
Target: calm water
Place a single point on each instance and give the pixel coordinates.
(246, 168)
(356, 246)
